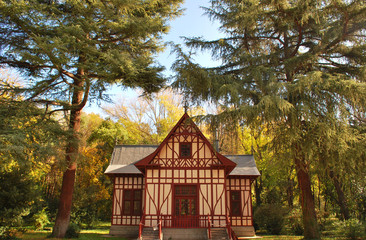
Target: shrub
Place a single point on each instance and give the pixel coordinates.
(7, 233)
(270, 217)
(294, 222)
(85, 217)
(40, 219)
(354, 229)
(73, 231)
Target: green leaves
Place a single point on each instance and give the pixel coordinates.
(59, 42)
(297, 67)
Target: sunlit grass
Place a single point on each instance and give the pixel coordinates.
(84, 235)
(282, 237)
(287, 237)
(99, 232)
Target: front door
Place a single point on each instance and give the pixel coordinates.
(185, 206)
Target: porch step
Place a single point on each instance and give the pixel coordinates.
(148, 233)
(219, 234)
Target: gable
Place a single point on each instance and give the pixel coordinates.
(185, 147)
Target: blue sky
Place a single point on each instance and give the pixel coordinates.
(193, 23)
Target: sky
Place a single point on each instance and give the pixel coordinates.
(192, 23)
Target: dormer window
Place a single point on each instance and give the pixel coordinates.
(185, 150)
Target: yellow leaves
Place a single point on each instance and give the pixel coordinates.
(90, 169)
(9, 166)
(147, 120)
(9, 80)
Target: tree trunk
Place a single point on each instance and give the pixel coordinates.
(72, 151)
(311, 230)
(290, 192)
(258, 190)
(342, 202)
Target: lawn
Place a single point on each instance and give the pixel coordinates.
(101, 231)
(98, 233)
(84, 235)
(287, 237)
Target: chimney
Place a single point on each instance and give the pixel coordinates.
(216, 141)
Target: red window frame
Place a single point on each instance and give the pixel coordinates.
(132, 197)
(183, 150)
(187, 195)
(235, 203)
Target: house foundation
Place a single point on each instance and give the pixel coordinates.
(124, 231)
(185, 234)
(244, 231)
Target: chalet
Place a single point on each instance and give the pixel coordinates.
(181, 189)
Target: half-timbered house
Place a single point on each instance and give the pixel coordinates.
(181, 189)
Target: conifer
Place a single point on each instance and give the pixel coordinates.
(71, 51)
(299, 65)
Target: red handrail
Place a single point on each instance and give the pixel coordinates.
(160, 231)
(230, 231)
(233, 235)
(141, 226)
(209, 227)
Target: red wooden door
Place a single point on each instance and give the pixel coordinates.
(185, 206)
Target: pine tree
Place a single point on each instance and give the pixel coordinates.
(72, 50)
(299, 65)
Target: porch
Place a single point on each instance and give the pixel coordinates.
(193, 227)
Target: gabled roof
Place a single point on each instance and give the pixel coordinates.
(227, 163)
(126, 159)
(124, 156)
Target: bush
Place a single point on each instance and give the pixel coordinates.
(270, 217)
(294, 222)
(40, 219)
(354, 229)
(7, 233)
(73, 231)
(85, 217)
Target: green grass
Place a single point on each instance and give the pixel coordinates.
(99, 232)
(286, 237)
(84, 235)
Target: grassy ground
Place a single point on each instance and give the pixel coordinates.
(101, 231)
(85, 234)
(283, 237)
(98, 233)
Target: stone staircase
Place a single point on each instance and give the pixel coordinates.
(148, 233)
(219, 234)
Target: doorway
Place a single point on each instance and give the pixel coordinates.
(185, 206)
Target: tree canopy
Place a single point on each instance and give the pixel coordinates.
(298, 65)
(59, 43)
(72, 50)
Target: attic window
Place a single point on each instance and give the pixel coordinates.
(185, 150)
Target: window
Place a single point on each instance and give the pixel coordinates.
(132, 200)
(185, 150)
(185, 200)
(185, 190)
(235, 202)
